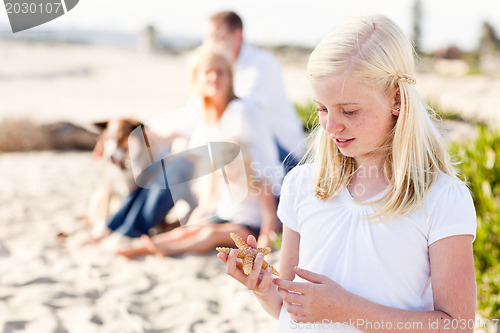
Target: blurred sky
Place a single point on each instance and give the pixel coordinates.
(444, 22)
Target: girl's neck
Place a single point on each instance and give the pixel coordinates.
(368, 180)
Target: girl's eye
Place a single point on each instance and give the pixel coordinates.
(349, 112)
(321, 109)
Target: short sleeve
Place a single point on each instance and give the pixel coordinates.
(288, 198)
(453, 213)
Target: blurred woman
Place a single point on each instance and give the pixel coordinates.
(222, 115)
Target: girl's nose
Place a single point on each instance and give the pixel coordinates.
(333, 124)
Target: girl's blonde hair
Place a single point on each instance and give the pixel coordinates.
(375, 50)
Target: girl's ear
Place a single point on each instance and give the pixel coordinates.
(396, 108)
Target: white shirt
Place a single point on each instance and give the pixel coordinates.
(236, 123)
(240, 121)
(257, 78)
(385, 262)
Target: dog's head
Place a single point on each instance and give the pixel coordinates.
(113, 142)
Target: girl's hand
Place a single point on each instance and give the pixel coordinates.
(313, 302)
(258, 281)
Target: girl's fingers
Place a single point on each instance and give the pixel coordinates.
(222, 257)
(257, 264)
(233, 268)
(294, 309)
(257, 280)
(291, 296)
(266, 279)
(231, 262)
(252, 241)
(299, 318)
(253, 277)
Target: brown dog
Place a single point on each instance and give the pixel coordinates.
(116, 180)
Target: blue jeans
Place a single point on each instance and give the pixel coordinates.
(140, 211)
(289, 161)
(144, 208)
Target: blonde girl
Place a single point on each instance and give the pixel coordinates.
(378, 230)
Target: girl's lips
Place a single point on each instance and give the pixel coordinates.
(342, 143)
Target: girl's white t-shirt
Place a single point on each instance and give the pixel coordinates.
(385, 262)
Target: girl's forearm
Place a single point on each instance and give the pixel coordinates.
(371, 317)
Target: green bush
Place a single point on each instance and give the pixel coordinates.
(308, 116)
(446, 114)
(480, 167)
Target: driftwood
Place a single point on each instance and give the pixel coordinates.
(26, 135)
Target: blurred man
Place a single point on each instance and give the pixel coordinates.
(257, 78)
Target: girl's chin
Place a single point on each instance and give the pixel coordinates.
(347, 153)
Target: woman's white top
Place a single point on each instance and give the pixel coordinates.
(243, 124)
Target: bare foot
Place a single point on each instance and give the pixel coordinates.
(133, 252)
(92, 240)
(152, 247)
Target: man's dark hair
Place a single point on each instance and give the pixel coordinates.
(231, 19)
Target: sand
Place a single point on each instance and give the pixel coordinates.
(49, 284)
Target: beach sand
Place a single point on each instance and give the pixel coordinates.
(49, 284)
(54, 284)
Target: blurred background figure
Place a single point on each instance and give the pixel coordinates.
(257, 78)
(223, 115)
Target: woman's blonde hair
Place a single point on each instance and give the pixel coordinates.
(205, 55)
(375, 50)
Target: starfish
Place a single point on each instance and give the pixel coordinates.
(247, 254)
